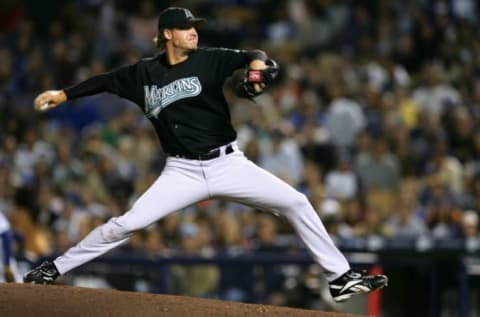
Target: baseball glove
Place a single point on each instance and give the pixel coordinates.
(245, 88)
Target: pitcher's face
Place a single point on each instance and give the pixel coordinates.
(186, 39)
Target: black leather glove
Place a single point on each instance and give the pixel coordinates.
(245, 88)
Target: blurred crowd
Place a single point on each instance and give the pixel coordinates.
(375, 117)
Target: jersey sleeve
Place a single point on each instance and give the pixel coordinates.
(229, 60)
(121, 82)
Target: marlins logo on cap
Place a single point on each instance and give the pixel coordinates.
(174, 17)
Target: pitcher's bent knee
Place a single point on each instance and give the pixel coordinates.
(113, 230)
(301, 201)
(296, 203)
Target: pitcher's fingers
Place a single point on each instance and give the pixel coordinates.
(42, 98)
(258, 87)
(37, 102)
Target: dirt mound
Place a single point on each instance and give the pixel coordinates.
(53, 300)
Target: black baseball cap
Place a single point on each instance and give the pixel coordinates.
(175, 17)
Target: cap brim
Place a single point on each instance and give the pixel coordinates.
(195, 22)
(198, 20)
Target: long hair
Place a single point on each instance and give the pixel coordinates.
(159, 40)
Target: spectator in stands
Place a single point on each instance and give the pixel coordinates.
(374, 224)
(404, 223)
(66, 168)
(345, 118)
(378, 168)
(436, 92)
(342, 183)
(152, 241)
(193, 280)
(446, 166)
(284, 159)
(470, 224)
(470, 230)
(271, 277)
(441, 216)
(350, 223)
(460, 128)
(235, 280)
(8, 264)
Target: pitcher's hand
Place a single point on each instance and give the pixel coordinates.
(49, 99)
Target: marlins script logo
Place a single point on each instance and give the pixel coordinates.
(157, 99)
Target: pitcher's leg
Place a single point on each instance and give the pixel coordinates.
(247, 183)
(172, 191)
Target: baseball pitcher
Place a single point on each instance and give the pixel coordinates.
(181, 92)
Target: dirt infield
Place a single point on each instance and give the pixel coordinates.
(37, 300)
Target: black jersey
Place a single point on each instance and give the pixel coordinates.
(185, 101)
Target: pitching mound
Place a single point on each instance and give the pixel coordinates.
(37, 300)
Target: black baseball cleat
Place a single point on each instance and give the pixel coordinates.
(45, 273)
(355, 283)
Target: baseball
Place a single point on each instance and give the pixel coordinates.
(44, 106)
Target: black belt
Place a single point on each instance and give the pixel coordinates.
(207, 156)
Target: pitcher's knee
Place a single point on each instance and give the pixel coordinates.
(298, 202)
(113, 230)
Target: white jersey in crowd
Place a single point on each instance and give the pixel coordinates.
(4, 227)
